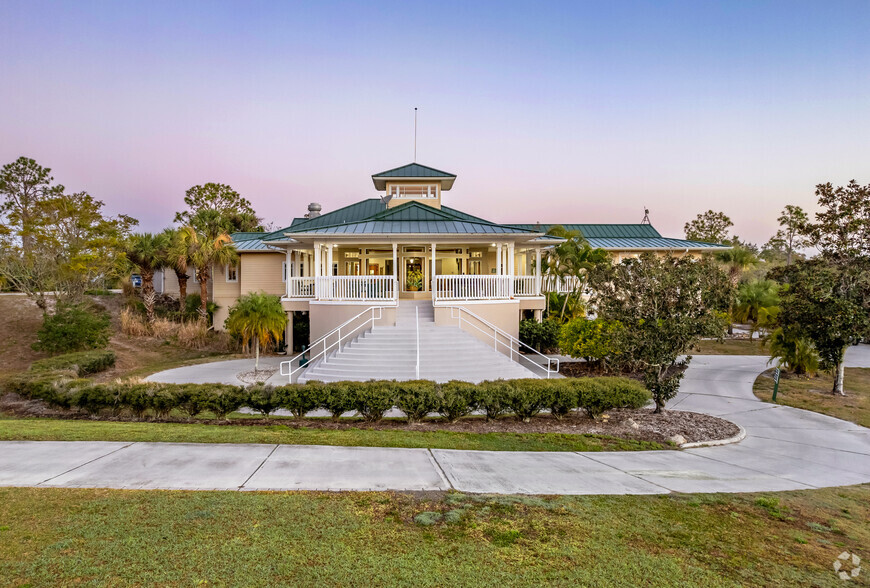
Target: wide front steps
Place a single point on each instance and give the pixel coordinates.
(390, 353)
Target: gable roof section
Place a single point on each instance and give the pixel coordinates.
(348, 214)
(412, 218)
(599, 231)
(633, 236)
(413, 171)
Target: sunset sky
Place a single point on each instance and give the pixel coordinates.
(551, 112)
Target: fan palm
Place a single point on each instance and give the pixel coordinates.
(257, 317)
(178, 259)
(209, 245)
(146, 251)
(757, 304)
(569, 261)
(737, 260)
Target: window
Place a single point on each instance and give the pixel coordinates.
(427, 191)
(283, 271)
(232, 273)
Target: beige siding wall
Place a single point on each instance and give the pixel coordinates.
(256, 272)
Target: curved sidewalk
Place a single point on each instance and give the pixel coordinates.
(785, 449)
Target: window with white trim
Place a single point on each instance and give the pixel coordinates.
(232, 273)
(283, 271)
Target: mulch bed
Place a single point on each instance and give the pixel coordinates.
(641, 425)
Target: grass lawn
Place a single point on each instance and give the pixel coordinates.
(814, 393)
(121, 538)
(39, 429)
(730, 347)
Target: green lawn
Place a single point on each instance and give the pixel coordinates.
(51, 537)
(39, 429)
(814, 393)
(730, 347)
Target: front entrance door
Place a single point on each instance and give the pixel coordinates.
(412, 274)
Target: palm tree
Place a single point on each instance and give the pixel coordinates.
(257, 317)
(209, 245)
(146, 252)
(757, 304)
(571, 260)
(178, 258)
(737, 260)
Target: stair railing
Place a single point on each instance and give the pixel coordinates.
(342, 332)
(501, 339)
(417, 318)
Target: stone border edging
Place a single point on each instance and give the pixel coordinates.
(740, 436)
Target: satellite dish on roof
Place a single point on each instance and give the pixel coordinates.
(386, 198)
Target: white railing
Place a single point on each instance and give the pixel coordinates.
(331, 341)
(300, 287)
(472, 287)
(560, 285)
(368, 288)
(505, 342)
(417, 319)
(526, 286)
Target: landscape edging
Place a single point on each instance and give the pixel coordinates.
(740, 436)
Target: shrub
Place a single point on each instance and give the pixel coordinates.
(416, 398)
(526, 398)
(192, 305)
(337, 397)
(222, 400)
(48, 386)
(597, 395)
(456, 399)
(83, 362)
(162, 399)
(490, 397)
(542, 335)
(135, 397)
(192, 397)
(796, 354)
(300, 399)
(264, 398)
(193, 334)
(73, 327)
(374, 398)
(562, 397)
(133, 325)
(93, 398)
(593, 340)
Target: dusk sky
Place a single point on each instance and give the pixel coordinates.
(554, 112)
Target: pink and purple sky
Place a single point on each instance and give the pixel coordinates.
(551, 112)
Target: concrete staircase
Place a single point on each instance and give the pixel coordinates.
(390, 353)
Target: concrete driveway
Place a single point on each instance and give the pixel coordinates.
(784, 449)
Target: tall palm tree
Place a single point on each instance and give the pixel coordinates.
(210, 244)
(737, 260)
(571, 260)
(257, 317)
(178, 258)
(757, 304)
(146, 252)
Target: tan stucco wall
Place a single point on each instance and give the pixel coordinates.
(325, 317)
(537, 303)
(504, 315)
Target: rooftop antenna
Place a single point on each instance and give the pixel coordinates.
(645, 220)
(415, 134)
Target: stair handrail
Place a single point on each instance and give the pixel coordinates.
(511, 339)
(417, 319)
(322, 341)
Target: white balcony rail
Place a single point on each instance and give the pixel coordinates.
(472, 287)
(560, 285)
(525, 286)
(506, 343)
(417, 320)
(368, 288)
(332, 341)
(300, 288)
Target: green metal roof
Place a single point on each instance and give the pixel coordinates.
(414, 170)
(593, 231)
(245, 236)
(650, 243)
(352, 213)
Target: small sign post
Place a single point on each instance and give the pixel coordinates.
(775, 383)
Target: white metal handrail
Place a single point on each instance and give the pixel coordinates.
(375, 312)
(417, 318)
(513, 344)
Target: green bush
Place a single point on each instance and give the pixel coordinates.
(264, 398)
(337, 397)
(84, 362)
(456, 399)
(222, 400)
(490, 397)
(526, 398)
(93, 398)
(542, 336)
(416, 398)
(192, 398)
(597, 395)
(73, 327)
(562, 397)
(593, 340)
(162, 399)
(374, 398)
(300, 399)
(135, 398)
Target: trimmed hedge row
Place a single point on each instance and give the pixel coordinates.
(83, 362)
(416, 398)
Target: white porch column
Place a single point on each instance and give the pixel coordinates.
(395, 271)
(538, 271)
(498, 259)
(317, 268)
(511, 269)
(329, 248)
(288, 269)
(432, 277)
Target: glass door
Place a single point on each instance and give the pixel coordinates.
(412, 274)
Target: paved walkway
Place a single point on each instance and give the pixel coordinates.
(785, 449)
